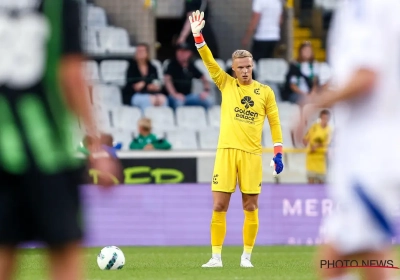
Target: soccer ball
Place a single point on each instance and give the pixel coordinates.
(110, 258)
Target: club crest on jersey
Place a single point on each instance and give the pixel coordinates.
(257, 91)
(247, 102)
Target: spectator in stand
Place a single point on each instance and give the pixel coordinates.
(317, 140)
(178, 80)
(143, 87)
(146, 140)
(264, 27)
(190, 7)
(302, 78)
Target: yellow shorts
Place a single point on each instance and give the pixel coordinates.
(236, 166)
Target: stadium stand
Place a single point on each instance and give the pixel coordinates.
(214, 115)
(200, 65)
(163, 118)
(92, 71)
(115, 40)
(272, 70)
(126, 118)
(188, 127)
(96, 17)
(193, 117)
(208, 138)
(183, 139)
(114, 72)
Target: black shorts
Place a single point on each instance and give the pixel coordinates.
(39, 207)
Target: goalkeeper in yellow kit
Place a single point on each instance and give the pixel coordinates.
(245, 104)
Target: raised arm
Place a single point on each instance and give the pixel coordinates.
(218, 75)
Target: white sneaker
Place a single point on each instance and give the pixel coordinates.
(245, 263)
(213, 262)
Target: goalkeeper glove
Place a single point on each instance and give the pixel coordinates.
(197, 23)
(276, 162)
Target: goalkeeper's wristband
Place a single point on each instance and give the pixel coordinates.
(199, 40)
(278, 148)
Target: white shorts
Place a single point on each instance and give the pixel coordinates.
(367, 196)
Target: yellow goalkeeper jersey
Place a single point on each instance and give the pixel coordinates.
(243, 109)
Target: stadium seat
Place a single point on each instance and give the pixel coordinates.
(200, 65)
(114, 71)
(103, 117)
(324, 73)
(191, 117)
(123, 136)
(90, 39)
(159, 133)
(214, 116)
(182, 139)
(276, 90)
(287, 136)
(126, 118)
(91, 69)
(272, 70)
(96, 17)
(208, 138)
(115, 40)
(162, 118)
(159, 68)
(266, 137)
(288, 112)
(107, 95)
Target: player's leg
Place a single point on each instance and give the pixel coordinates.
(250, 227)
(250, 178)
(7, 262)
(218, 222)
(66, 262)
(11, 232)
(55, 205)
(223, 185)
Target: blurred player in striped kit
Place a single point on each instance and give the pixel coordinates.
(364, 53)
(40, 84)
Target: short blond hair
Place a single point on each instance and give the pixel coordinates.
(145, 122)
(241, 54)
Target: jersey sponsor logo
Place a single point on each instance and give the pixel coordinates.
(247, 102)
(215, 179)
(23, 49)
(245, 115)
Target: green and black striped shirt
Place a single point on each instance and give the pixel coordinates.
(34, 121)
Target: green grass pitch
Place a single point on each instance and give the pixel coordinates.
(183, 263)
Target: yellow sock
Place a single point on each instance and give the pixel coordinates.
(218, 231)
(250, 229)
